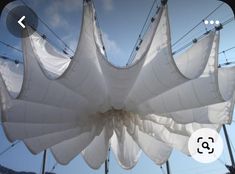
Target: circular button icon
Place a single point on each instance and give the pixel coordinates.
(19, 18)
(205, 145)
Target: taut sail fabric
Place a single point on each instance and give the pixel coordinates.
(12, 73)
(86, 105)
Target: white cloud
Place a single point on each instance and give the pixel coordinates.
(108, 5)
(65, 5)
(71, 41)
(114, 51)
(57, 21)
(110, 45)
(57, 11)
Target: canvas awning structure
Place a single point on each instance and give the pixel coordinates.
(85, 105)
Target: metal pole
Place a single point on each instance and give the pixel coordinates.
(44, 161)
(106, 167)
(229, 145)
(168, 167)
(107, 162)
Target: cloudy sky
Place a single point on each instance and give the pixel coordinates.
(120, 22)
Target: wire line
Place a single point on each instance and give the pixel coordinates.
(10, 46)
(151, 9)
(197, 25)
(9, 148)
(131, 58)
(201, 36)
(229, 49)
(53, 32)
(53, 167)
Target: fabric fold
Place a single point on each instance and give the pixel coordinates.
(125, 149)
(156, 150)
(96, 152)
(160, 72)
(84, 75)
(209, 88)
(120, 80)
(85, 105)
(68, 149)
(38, 88)
(219, 113)
(12, 74)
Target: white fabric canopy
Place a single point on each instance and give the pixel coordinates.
(85, 105)
(12, 75)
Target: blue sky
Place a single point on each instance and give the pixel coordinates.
(121, 22)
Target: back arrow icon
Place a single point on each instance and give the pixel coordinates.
(20, 22)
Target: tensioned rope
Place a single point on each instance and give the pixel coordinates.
(42, 35)
(100, 31)
(10, 59)
(226, 63)
(155, 1)
(10, 147)
(17, 61)
(142, 32)
(199, 23)
(107, 162)
(54, 33)
(10, 46)
(148, 16)
(134, 50)
(53, 167)
(201, 36)
(228, 49)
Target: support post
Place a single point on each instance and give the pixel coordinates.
(228, 145)
(44, 161)
(106, 167)
(168, 167)
(107, 162)
(232, 167)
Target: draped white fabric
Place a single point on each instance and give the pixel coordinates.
(85, 105)
(12, 75)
